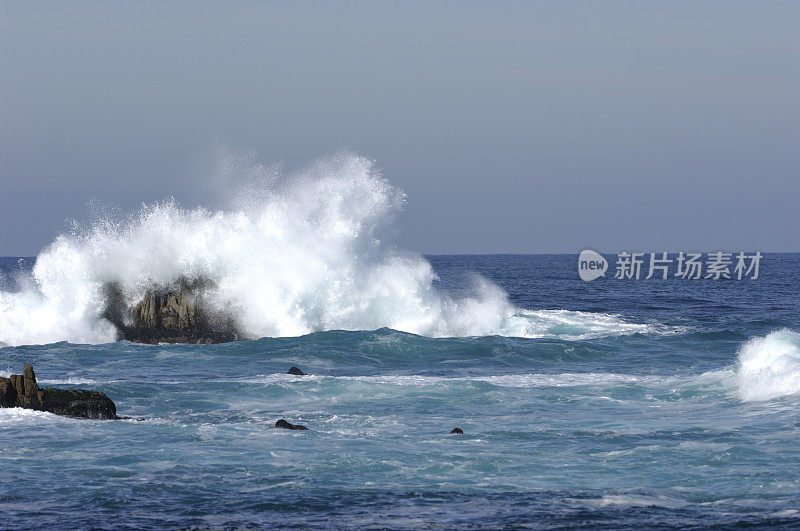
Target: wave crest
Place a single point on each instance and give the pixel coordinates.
(769, 366)
(306, 253)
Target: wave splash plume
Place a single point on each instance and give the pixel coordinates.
(304, 253)
(769, 366)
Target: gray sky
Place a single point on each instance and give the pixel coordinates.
(512, 127)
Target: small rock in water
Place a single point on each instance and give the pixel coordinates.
(296, 372)
(286, 426)
(456, 430)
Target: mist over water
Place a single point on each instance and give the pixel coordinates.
(287, 255)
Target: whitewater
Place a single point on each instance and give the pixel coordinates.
(295, 254)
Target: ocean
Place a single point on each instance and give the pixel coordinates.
(611, 403)
(650, 403)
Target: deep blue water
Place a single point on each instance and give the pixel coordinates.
(634, 413)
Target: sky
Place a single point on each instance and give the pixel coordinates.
(518, 127)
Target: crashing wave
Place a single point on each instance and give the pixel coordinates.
(769, 366)
(304, 253)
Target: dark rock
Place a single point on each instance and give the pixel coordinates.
(21, 390)
(171, 314)
(457, 430)
(286, 426)
(31, 388)
(295, 371)
(8, 393)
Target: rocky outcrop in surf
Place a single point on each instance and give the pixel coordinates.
(284, 425)
(21, 390)
(173, 314)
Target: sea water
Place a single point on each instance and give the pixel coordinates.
(611, 403)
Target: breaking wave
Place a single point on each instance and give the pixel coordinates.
(295, 255)
(769, 366)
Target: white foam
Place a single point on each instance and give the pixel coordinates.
(507, 380)
(635, 500)
(17, 415)
(299, 254)
(769, 367)
(64, 381)
(575, 325)
(69, 381)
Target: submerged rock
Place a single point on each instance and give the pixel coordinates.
(286, 426)
(173, 314)
(295, 371)
(456, 430)
(21, 390)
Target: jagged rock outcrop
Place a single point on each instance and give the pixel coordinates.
(173, 314)
(296, 372)
(21, 390)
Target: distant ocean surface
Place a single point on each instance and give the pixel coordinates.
(615, 403)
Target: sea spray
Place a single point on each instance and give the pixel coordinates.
(300, 253)
(769, 366)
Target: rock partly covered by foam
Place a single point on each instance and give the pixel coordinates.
(174, 314)
(21, 390)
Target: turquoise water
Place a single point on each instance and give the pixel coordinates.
(632, 407)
